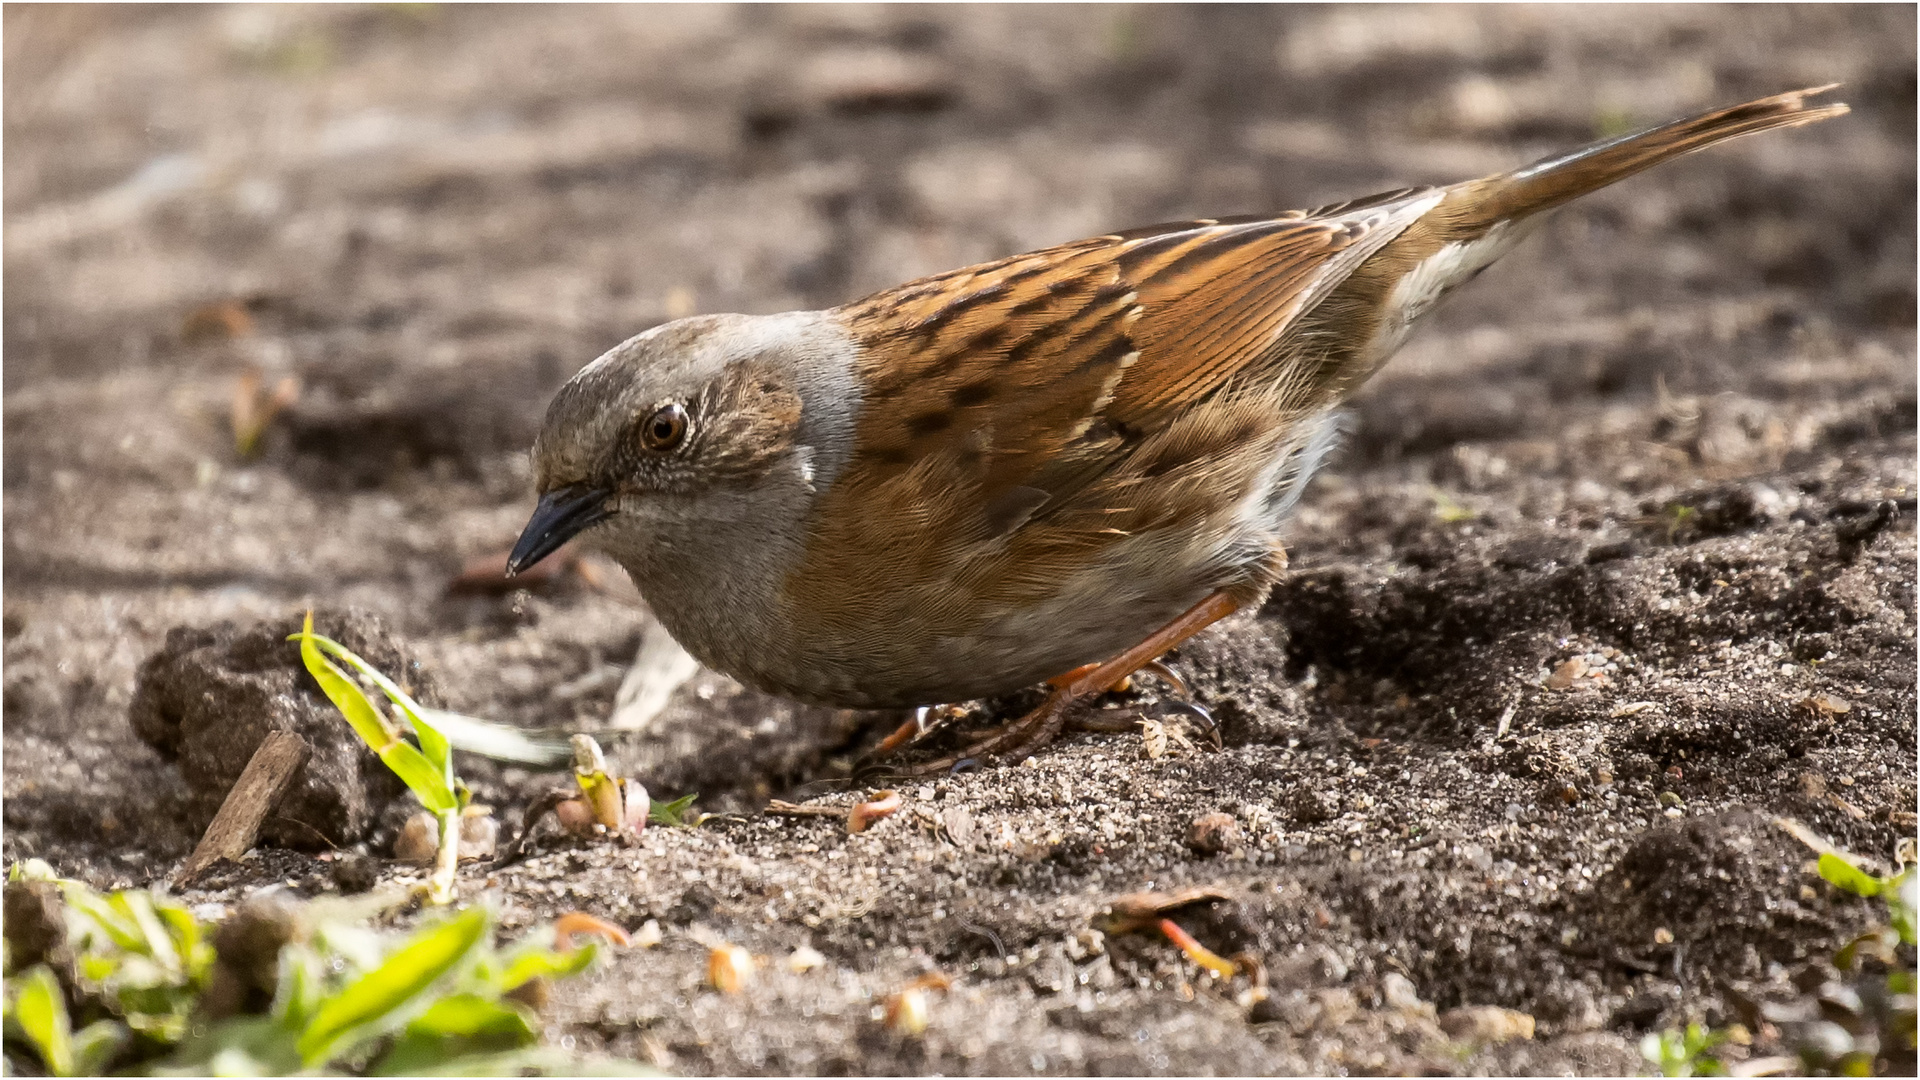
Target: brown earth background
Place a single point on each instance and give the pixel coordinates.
(1671, 437)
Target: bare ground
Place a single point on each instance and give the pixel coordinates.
(1673, 437)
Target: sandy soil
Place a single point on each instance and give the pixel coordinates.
(1672, 437)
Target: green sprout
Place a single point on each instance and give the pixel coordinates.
(675, 814)
(1679, 519)
(426, 769)
(440, 999)
(1448, 511)
(1684, 1053)
(143, 956)
(1901, 894)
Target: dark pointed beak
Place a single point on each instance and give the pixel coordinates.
(562, 513)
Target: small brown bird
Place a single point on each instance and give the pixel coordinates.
(1057, 466)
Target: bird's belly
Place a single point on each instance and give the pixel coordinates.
(1004, 653)
(927, 652)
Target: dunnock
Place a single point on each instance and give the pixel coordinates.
(1067, 461)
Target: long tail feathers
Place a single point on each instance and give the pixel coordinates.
(1549, 183)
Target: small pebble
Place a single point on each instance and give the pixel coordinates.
(1214, 834)
(419, 839)
(1397, 991)
(1564, 675)
(1488, 1025)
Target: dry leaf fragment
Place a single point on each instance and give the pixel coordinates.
(1197, 952)
(729, 968)
(884, 804)
(906, 1012)
(1153, 739)
(579, 922)
(906, 1009)
(253, 408)
(1143, 910)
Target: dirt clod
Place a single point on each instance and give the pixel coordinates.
(210, 695)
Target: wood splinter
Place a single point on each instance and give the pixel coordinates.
(260, 788)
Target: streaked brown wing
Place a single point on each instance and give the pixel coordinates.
(1037, 372)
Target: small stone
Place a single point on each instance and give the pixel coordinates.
(1397, 992)
(1564, 675)
(1214, 834)
(1662, 936)
(479, 833)
(1488, 1025)
(804, 959)
(419, 839)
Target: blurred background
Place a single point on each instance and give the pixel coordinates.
(287, 287)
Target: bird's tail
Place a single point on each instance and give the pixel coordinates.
(1564, 177)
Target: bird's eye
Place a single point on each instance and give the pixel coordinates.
(665, 428)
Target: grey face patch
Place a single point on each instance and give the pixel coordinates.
(680, 360)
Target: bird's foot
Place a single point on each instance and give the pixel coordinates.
(1043, 725)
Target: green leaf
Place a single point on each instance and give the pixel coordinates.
(1903, 904)
(299, 987)
(391, 993)
(99, 920)
(1844, 875)
(195, 951)
(461, 1024)
(532, 959)
(95, 1045)
(32, 870)
(137, 905)
(474, 1016)
(427, 783)
(242, 1046)
(347, 697)
(41, 1012)
(433, 745)
(674, 813)
(489, 739)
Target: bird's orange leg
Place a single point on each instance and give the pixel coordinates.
(1044, 724)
